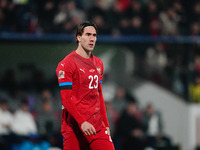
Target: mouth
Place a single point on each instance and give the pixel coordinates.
(91, 45)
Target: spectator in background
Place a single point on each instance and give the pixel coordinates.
(24, 125)
(194, 89)
(75, 14)
(169, 22)
(96, 10)
(47, 95)
(124, 26)
(181, 12)
(115, 14)
(130, 128)
(194, 29)
(177, 82)
(119, 102)
(103, 28)
(194, 93)
(195, 12)
(197, 64)
(156, 63)
(153, 124)
(124, 4)
(136, 26)
(48, 117)
(61, 16)
(6, 120)
(155, 137)
(151, 21)
(14, 99)
(67, 16)
(46, 121)
(25, 16)
(10, 85)
(107, 4)
(154, 28)
(98, 15)
(46, 12)
(68, 26)
(151, 11)
(134, 9)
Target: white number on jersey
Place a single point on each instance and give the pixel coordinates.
(95, 79)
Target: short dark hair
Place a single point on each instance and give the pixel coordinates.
(80, 28)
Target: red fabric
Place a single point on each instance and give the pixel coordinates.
(77, 141)
(74, 140)
(102, 141)
(70, 106)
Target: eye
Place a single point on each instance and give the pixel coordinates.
(88, 34)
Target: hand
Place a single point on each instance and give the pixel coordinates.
(108, 129)
(88, 128)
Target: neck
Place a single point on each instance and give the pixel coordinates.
(83, 53)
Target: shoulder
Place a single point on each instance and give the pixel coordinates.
(68, 58)
(66, 62)
(98, 60)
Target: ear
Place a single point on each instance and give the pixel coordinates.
(78, 38)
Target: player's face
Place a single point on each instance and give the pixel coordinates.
(88, 39)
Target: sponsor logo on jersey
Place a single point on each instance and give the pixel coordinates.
(61, 74)
(91, 70)
(83, 70)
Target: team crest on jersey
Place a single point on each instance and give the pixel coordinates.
(61, 74)
(99, 70)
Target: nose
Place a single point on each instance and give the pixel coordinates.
(92, 38)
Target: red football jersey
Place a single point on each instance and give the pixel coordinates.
(83, 77)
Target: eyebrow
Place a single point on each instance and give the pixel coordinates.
(88, 33)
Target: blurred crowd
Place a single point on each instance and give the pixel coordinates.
(29, 118)
(133, 126)
(115, 17)
(175, 67)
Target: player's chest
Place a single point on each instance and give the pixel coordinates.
(88, 76)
